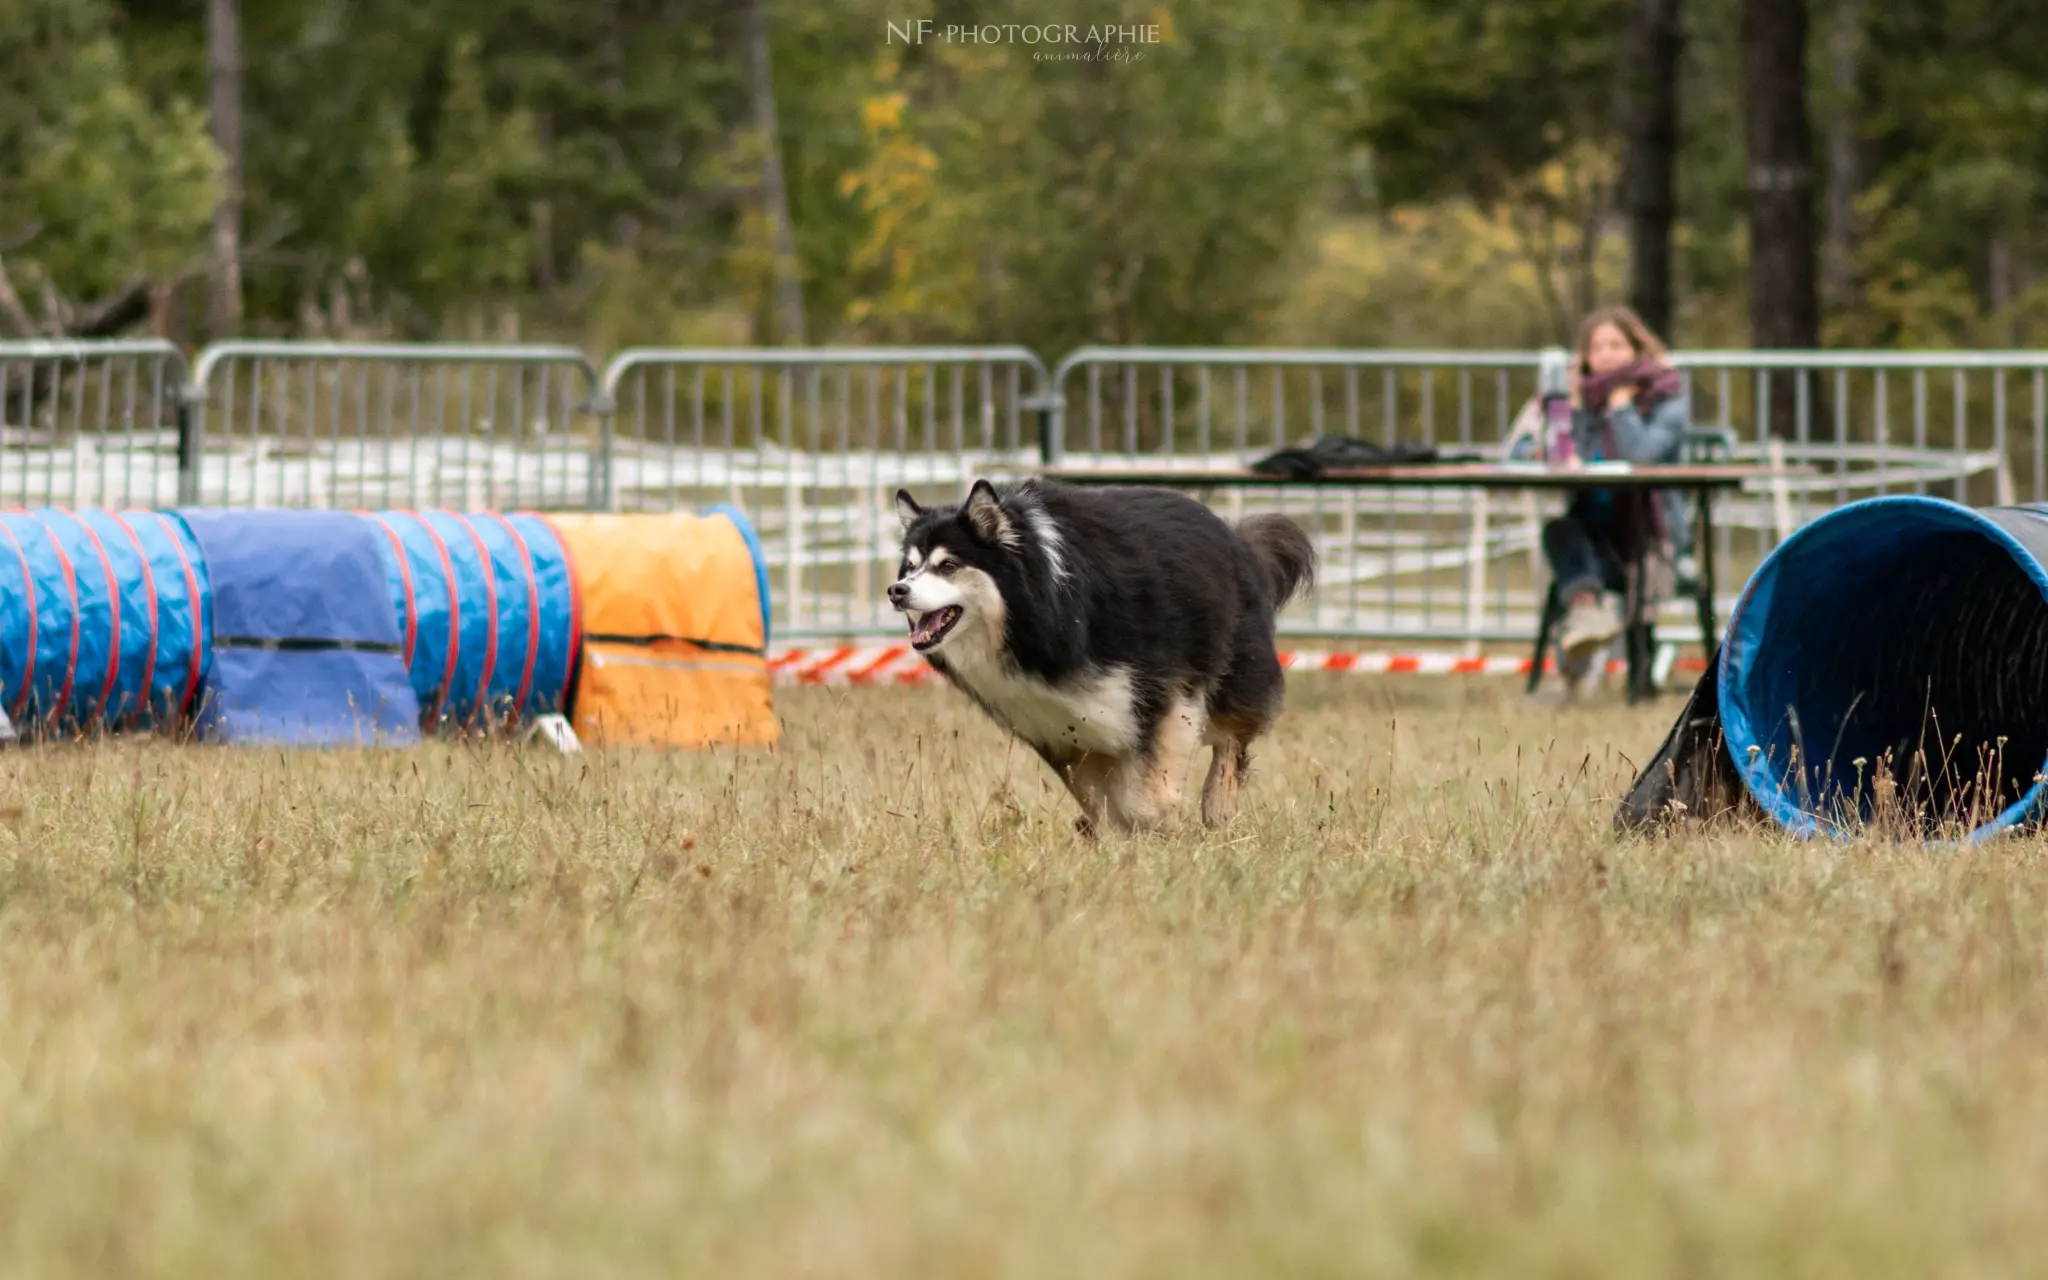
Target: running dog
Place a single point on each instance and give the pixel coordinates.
(1113, 630)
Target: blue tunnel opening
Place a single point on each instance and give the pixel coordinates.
(1889, 661)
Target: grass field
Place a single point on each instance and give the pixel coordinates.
(867, 1007)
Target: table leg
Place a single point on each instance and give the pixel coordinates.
(1638, 665)
(1546, 619)
(1708, 624)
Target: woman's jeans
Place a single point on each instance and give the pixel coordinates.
(1582, 557)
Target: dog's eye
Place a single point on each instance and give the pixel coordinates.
(945, 568)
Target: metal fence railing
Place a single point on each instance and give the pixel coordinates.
(1403, 564)
(1130, 403)
(294, 424)
(89, 423)
(1465, 567)
(1971, 426)
(812, 443)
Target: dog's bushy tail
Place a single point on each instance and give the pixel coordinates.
(1285, 551)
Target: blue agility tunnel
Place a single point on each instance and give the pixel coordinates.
(1890, 659)
(298, 627)
(306, 646)
(487, 608)
(105, 620)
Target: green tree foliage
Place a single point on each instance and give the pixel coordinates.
(1468, 97)
(1060, 202)
(98, 183)
(1368, 171)
(425, 166)
(1956, 96)
(119, 188)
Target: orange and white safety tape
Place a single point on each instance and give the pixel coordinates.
(900, 664)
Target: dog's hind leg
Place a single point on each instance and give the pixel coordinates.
(1231, 760)
(1242, 707)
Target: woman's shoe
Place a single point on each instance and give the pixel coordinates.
(1589, 624)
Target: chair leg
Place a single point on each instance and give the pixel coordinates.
(1703, 602)
(1703, 597)
(1546, 620)
(1637, 632)
(1642, 650)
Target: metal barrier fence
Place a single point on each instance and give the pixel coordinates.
(1466, 567)
(1882, 413)
(812, 443)
(1153, 402)
(90, 423)
(291, 424)
(1400, 564)
(1962, 425)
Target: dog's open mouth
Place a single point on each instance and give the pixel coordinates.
(928, 629)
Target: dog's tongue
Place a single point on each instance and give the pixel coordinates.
(928, 626)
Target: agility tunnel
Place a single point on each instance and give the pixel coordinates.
(674, 611)
(105, 620)
(306, 645)
(309, 628)
(487, 610)
(1889, 661)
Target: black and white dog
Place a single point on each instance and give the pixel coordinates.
(1113, 630)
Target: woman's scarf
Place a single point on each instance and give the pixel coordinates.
(1654, 384)
(1637, 521)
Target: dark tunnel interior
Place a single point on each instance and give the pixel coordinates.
(1895, 668)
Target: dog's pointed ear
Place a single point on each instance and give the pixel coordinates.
(985, 515)
(907, 509)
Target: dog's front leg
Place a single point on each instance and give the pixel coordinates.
(1151, 787)
(1089, 778)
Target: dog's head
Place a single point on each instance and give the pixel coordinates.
(955, 560)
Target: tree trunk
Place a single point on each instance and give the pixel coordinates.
(789, 289)
(11, 309)
(1845, 168)
(124, 307)
(224, 82)
(1784, 306)
(1650, 113)
(2001, 286)
(162, 313)
(611, 53)
(541, 214)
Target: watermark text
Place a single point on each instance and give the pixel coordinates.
(919, 30)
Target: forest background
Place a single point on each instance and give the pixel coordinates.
(1455, 173)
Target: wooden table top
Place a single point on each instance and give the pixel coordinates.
(1459, 475)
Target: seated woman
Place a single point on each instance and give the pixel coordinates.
(1627, 405)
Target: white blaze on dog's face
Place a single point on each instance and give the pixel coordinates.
(947, 600)
(949, 603)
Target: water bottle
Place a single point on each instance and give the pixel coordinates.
(1558, 449)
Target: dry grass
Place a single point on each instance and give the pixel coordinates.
(867, 1007)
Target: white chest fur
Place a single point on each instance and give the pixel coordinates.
(1089, 713)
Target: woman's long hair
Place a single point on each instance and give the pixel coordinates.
(1638, 521)
(1648, 346)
